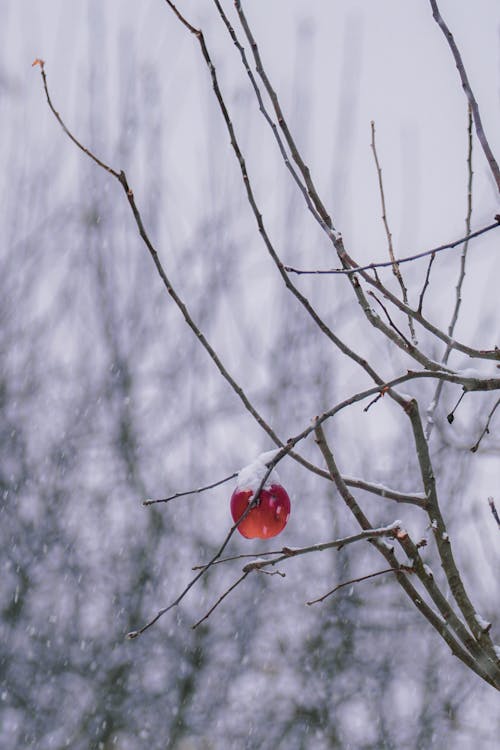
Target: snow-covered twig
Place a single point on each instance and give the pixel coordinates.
(286, 552)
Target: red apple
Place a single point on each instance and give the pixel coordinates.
(268, 518)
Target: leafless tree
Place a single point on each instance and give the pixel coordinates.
(409, 386)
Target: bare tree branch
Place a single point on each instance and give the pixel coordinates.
(321, 219)
(334, 236)
(326, 330)
(495, 170)
(395, 267)
(302, 166)
(456, 621)
(357, 580)
(122, 179)
(442, 539)
(191, 492)
(390, 320)
(426, 283)
(461, 277)
(375, 489)
(254, 501)
(386, 492)
(56, 114)
(476, 660)
(285, 552)
(220, 600)
(407, 259)
(493, 354)
(486, 428)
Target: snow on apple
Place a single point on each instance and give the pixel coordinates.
(270, 515)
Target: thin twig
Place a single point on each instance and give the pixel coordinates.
(426, 283)
(492, 354)
(406, 259)
(191, 492)
(406, 569)
(70, 135)
(395, 268)
(391, 322)
(461, 277)
(243, 556)
(272, 573)
(486, 427)
(220, 599)
(373, 401)
(386, 492)
(495, 170)
(468, 221)
(286, 553)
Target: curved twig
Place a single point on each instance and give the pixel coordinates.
(495, 170)
(404, 568)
